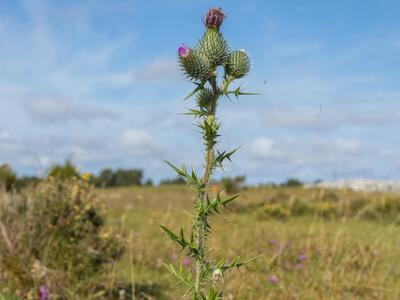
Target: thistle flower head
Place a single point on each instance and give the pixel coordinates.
(238, 64)
(183, 51)
(214, 18)
(194, 64)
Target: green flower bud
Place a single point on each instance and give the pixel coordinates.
(195, 65)
(204, 98)
(238, 64)
(214, 47)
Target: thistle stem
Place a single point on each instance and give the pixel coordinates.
(202, 223)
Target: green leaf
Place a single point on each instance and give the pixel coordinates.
(171, 235)
(221, 156)
(177, 170)
(227, 200)
(238, 92)
(199, 86)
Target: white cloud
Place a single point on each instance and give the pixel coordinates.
(301, 150)
(347, 146)
(327, 117)
(138, 142)
(4, 135)
(60, 110)
(261, 147)
(159, 69)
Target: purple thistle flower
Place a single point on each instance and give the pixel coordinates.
(273, 279)
(187, 261)
(214, 18)
(44, 292)
(183, 51)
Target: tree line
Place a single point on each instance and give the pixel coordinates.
(108, 178)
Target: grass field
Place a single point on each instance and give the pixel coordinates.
(304, 256)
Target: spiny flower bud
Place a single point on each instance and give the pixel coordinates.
(238, 64)
(204, 98)
(194, 64)
(214, 47)
(217, 276)
(214, 18)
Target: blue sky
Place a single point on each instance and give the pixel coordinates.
(97, 81)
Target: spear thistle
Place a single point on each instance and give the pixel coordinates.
(200, 64)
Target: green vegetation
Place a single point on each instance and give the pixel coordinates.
(54, 236)
(306, 256)
(71, 238)
(7, 177)
(64, 172)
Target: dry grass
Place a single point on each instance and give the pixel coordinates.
(344, 258)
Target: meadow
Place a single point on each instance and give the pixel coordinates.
(86, 243)
(346, 248)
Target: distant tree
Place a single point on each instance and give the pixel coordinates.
(110, 178)
(233, 185)
(26, 181)
(173, 181)
(292, 182)
(106, 178)
(148, 182)
(63, 172)
(7, 177)
(128, 177)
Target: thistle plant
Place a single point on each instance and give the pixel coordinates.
(202, 65)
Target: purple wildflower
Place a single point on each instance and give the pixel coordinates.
(214, 18)
(183, 51)
(187, 261)
(44, 292)
(174, 256)
(302, 256)
(298, 266)
(274, 242)
(273, 279)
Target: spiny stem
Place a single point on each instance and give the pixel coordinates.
(202, 223)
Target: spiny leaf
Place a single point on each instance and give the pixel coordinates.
(199, 86)
(238, 92)
(177, 170)
(227, 200)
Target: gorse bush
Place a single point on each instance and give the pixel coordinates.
(233, 185)
(64, 172)
(328, 205)
(201, 65)
(7, 177)
(54, 237)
